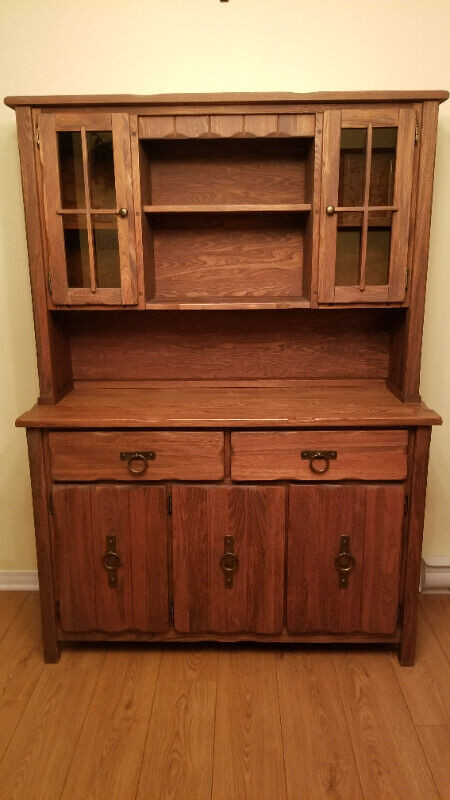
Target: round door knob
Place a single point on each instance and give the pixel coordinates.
(123, 212)
(330, 210)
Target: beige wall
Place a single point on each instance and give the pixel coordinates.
(101, 46)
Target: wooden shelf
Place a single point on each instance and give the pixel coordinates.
(314, 404)
(225, 303)
(227, 208)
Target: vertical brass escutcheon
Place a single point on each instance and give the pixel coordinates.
(229, 561)
(344, 562)
(111, 561)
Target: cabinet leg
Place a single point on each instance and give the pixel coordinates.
(414, 546)
(52, 650)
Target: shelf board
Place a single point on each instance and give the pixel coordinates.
(225, 303)
(226, 208)
(316, 404)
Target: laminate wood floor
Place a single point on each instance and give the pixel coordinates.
(229, 723)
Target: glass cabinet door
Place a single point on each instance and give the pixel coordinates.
(89, 208)
(366, 197)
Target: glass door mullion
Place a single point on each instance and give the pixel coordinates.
(363, 252)
(88, 211)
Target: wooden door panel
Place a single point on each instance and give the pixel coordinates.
(136, 516)
(254, 517)
(319, 515)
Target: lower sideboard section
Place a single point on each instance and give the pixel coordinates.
(278, 562)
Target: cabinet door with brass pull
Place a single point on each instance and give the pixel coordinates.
(343, 567)
(89, 213)
(228, 558)
(110, 549)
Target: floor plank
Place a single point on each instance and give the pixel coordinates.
(436, 608)
(435, 740)
(248, 747)
(184, 662)
(36, 762)
(390, 760)
(109, 753)
(21, 664)
(318, 753)
(177, 761)
(10, 603)
(426, 686)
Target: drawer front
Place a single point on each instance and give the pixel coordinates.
(136, 455)
(319, 455)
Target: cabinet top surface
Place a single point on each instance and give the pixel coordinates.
(222, 98)
(315, 404)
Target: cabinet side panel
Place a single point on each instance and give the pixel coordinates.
(53, 354)
(43, 544)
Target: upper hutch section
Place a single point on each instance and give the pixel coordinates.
(228, 201)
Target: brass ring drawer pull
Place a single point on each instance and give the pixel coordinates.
(344, 561)
(111, 561)
(137, 462)
(229, 561)
(315, 456)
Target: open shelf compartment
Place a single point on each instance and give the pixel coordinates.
(227, 221)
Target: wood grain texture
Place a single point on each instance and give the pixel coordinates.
(136, 516)
(125, 199)
(107, 761)
(426, 688)
(178, 754)
(329, 196)
(54, 368)
(237, 255)
(319, 515)
(435, 741)
(436, 609)
(10, 605)
(255, 518)
(318, 754)
(219, 346)
(390, 760)
(54, 713)
(39, 491)
(227, 98)
(21, 664)
(352, 404)
(413, 545)
(181, 455)
(248, 760)
(361, 455)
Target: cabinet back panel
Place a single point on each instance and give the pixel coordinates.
(223, 255)
(219, 345)
(224, 171)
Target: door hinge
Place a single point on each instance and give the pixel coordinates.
(38, 141)
(49, 281)
(416, 134)
(406, 505)
(171, 613)
(51, 506)
(169, 504)
(57, 610)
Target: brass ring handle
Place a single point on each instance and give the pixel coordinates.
(137, 462)
(330, 210)
(313, 456)
(229, 562)
(123, 212)
(111, 560)
(344, 562)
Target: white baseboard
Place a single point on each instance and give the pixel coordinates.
(435, 578)
(19, 580)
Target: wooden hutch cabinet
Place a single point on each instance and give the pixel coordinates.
(228, 295)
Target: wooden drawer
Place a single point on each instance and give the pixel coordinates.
(362, 455)
(165, 455)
